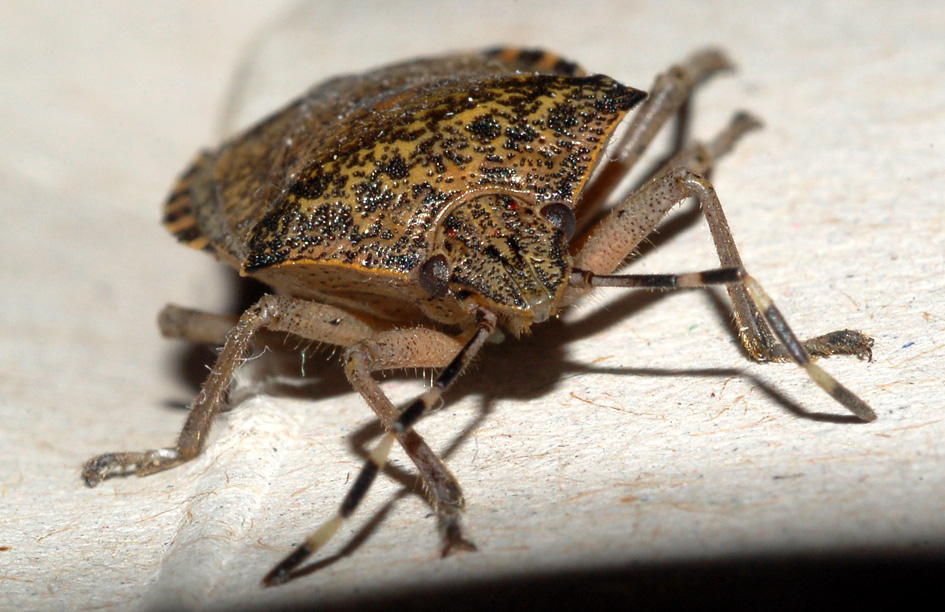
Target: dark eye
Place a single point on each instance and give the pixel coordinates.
(435, 276)
(561, 216)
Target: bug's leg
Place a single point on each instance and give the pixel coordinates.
(486, 323)
(195, 325)
(618, 234)
(700, 157)
(760, 344)
(668, 97)
(755, 335)
(405, 348)
(180, 323)
(387, 350)
(277, 313)
(772, 316)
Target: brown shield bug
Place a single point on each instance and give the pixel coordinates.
(410, 213)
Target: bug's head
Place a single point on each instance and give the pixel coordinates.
(504, 253)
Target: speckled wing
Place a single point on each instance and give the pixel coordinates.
(224, 193)
(358, 172)
(372, 195)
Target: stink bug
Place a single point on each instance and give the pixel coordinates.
(410, 213)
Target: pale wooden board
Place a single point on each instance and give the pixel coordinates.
(634, 435)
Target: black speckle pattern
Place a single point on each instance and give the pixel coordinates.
(369, 174)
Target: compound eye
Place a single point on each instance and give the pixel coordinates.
(561, 216)
(435, 276)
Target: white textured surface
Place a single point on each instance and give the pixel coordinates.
(619, 437)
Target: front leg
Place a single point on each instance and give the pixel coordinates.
(621, 231)
(608, 245)
(402, 426)
(412, 348)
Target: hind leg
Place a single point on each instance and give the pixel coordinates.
(668, 97)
